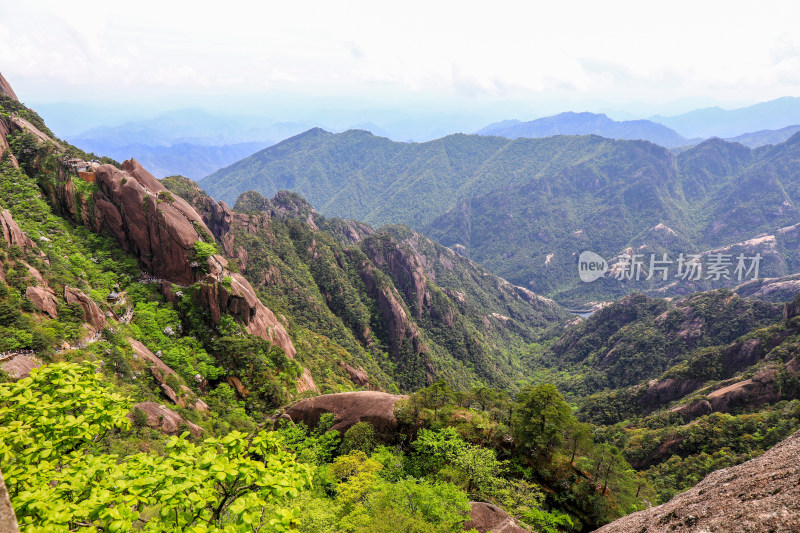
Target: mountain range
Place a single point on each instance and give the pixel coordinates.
(204, 364)
(526, 207)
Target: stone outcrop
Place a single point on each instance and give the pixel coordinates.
(377, 408)
(5, 149)
(12, 234)
(8, 520)
(667, 390)
(160, 372)
(240, 301)
(6, 90)
(406, 271)
(92, 313)
(762, 494)
(20, 367)
(758, 390)
(487, 518)
(165, 420)
(305, 383)
(43, 299)
(357, 375)
(159, 229)
(400, 327)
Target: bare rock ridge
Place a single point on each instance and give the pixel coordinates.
(374, 407)
(762, 494)
(6, 90)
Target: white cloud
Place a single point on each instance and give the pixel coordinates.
(615, 50)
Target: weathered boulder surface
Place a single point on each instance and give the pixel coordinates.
(43, 299)
(377, 408)
(92, 313)
(148, 221)
(165, 420)
(486, 518)
(20, 366)
(760, 495)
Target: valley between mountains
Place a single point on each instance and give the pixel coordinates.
(346, 333)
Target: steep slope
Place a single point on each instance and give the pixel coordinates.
(759, 495)
(682, 387)
(436, 314)
(571, 123)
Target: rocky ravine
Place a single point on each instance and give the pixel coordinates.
(760, 495)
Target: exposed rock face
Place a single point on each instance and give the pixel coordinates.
(486, 518)
(8, 520)
(377, 408)
(759, 390)
(662, 392)
(12, 234)
(357, 376)
(5, 151)
(160, 230)
(165, 420)
(6, 90)
(241, 302)
(20, 366)
(43, 299)
(306, 383)
(92, 313)
(760, 495)
(400, 327)
(406, 270)
(147, 220)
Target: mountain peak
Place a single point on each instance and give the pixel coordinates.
(5, 88)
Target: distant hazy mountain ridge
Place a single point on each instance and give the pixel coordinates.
(570, 123)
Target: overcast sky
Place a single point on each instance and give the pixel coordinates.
(568, 54)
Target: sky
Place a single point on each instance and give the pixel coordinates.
(527, 58)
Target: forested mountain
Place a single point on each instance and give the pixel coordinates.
(571, 123)
(526, 208)
(170, 363)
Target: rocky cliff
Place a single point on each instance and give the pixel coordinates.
(6, 90)
(760, 495)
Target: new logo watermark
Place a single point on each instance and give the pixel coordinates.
(591, 266)
(715, 266)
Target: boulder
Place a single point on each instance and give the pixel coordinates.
(92, 313)
(42, 299)
(165, 420)
(486, 518)
(374, 407)
(20, 366)
(762, 494)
